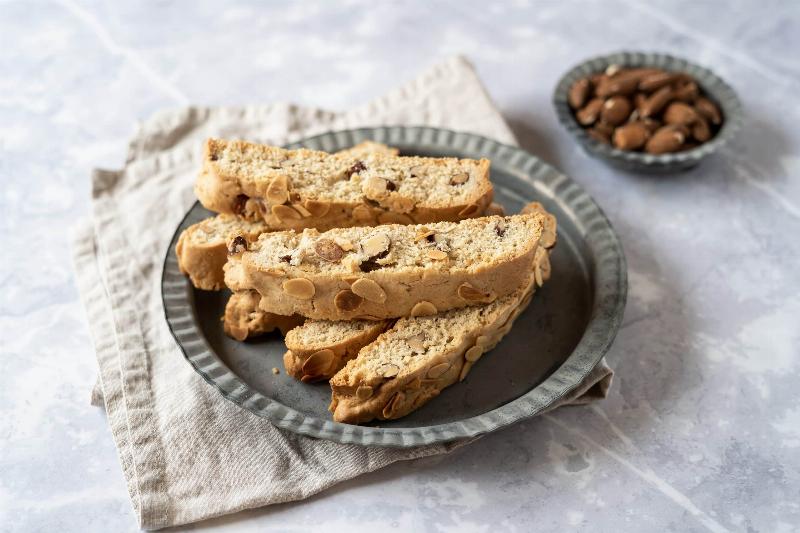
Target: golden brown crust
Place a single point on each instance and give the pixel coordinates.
(243, 319)
(267, 191)
(202, 248)
(342, 349)
(382, 293)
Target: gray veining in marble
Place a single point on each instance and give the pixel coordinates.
(702, 429)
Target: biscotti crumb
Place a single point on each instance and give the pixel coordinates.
(275, 370)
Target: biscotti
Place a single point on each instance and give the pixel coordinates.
(320, 348)
(295, 189)
(388, 271)
(202, 248)
(418, 357)
(243, 318)
(412, 362)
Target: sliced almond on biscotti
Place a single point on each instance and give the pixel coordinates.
(388, 273)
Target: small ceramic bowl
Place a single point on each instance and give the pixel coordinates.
(710, 84)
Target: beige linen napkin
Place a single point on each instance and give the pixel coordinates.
(187, 453)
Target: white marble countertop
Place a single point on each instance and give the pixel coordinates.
(702, 428)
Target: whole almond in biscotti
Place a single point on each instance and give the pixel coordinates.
(329, 250)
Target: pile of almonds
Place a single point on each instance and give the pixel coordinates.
(644, 109)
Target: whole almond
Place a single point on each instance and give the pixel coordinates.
(656, 102)
(621, 84)
(653, 82)
(700, 131)
(709, 110)
(616, 110)
(687, 92)
(639, 99)
(579, 93)
(328, 250)
(680, 113)
(631, 136)
(589, 114)
(667, 139)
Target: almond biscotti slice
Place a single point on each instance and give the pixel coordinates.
(295, 189)
(202, 248)
(412, 362)
(320, 348)
(243, 318)
(388, 271)
(418, 357)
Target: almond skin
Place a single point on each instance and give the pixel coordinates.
(680, 113)
(579, 93)
(657, 102)
(666, 140)
(631, 136)
(616, 110)
(590, 112)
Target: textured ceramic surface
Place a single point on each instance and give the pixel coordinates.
(701, 430)
(565, 331)
(713, 86)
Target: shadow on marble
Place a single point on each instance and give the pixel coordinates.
(536, 142)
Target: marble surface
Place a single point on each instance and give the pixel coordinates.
(702, 428)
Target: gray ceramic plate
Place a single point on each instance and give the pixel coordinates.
(713, 86)
(554, 344)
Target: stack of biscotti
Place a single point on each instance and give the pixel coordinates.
(452, 309)
(341, 296)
